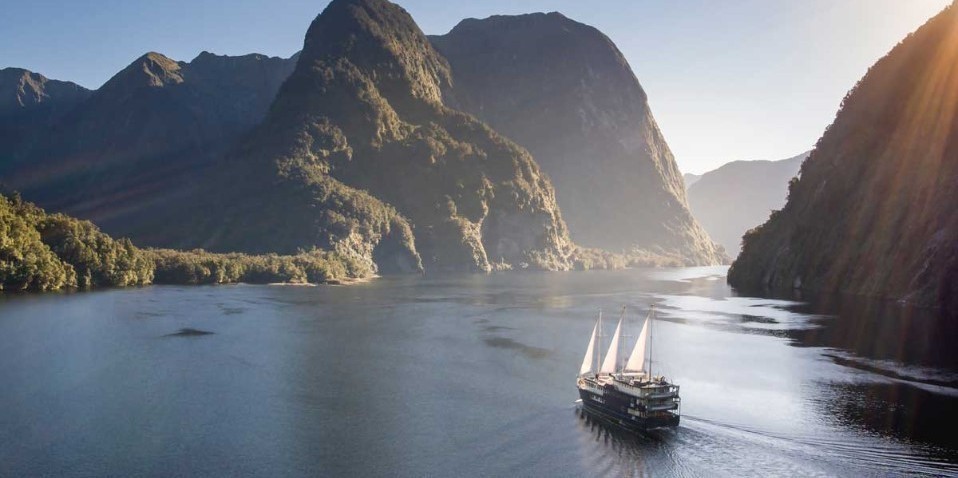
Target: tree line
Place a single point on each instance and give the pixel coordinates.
(46, 252)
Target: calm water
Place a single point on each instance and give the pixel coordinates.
(464, 375)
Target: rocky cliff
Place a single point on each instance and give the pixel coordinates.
(359, 153)
(739, 196)
(874, 210)
(564, 91)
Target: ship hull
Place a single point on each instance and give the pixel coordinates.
(613, 407)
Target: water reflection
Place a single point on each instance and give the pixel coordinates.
(901, 411)
(893, 409)
(881, 330)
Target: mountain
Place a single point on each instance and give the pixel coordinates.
(739, 196)
(22, 90)
(874, 209)
(689, 179)
(29, 102)
(563, 90)
(360, 154)
(126, 154)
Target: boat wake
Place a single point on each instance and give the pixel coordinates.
(853, 454)
(932, 379)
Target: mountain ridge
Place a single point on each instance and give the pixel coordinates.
(142, 140)
(374, 102)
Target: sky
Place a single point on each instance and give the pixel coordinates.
(727, 80)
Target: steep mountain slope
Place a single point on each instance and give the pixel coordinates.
(564, 91)
(359, 152)
(30, 102)
(739, 196)
(874, 210)
(126, 155)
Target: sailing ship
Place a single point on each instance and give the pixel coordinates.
(628, 395)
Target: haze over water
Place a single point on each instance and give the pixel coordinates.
(464, 375)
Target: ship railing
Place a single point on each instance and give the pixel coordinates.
(656, 396)
(653, 413)
(663, 407)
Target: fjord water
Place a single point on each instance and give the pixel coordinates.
(464, 375)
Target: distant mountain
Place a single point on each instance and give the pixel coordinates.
(689, 179)
(739, 196)
(564, 91)
(30, 102)
(874, 211)
(360, 154)
(125, 154)
(23, 90)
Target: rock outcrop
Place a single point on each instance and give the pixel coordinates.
(874, 209)
(564, 91)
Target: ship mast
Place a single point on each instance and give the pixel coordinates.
(598, 355)
(651, 321)
(621, 362)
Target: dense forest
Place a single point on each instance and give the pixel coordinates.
(46, 252)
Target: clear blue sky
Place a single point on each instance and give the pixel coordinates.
(727, 80)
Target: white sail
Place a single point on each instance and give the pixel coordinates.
(636, 361)
(589, 359)
(612, 356)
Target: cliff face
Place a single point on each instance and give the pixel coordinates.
(874, 210)
(739, 196)
(124, 154)
(359, 144)
(564, 91)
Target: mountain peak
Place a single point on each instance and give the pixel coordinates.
(159, 69)
(364, 107)
(378, 36)
(563, 90)
(20, 88)
(150, 70)
(7, 74)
